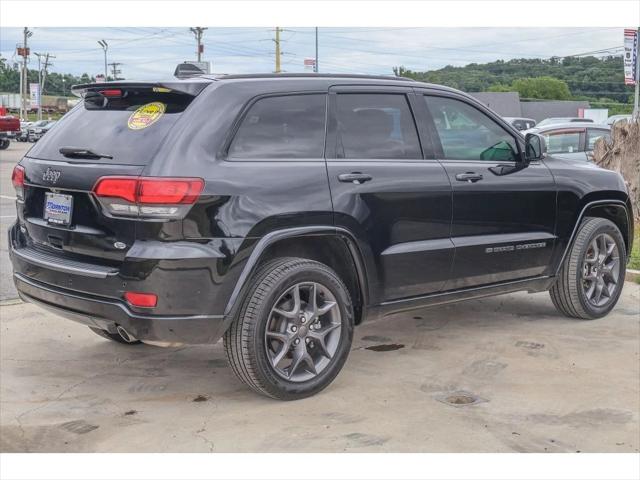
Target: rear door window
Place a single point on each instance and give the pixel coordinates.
(376, 126)
(130, 125)
(282, 127)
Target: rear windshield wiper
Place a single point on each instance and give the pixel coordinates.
(75, 152)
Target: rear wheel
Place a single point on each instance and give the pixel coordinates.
(294, 331)
(591, 278)
(4, 144)
(120, 336)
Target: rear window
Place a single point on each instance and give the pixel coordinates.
(129, 125)
(282, 127)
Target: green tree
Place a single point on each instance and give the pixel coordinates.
(500, 87)
(587, 78)
(542, 88)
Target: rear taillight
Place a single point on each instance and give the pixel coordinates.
(148, 197)
(17, 178)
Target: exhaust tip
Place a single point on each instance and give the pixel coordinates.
(126, 336)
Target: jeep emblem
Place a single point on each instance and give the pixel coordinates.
(51, 175)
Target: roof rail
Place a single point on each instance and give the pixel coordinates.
(311, 75)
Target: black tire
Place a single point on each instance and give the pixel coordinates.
(4, 144)
(244, 340)
(114, 337)
(568, 294)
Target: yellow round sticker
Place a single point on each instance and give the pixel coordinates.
(146, 115)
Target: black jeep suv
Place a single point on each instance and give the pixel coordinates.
(278, 211)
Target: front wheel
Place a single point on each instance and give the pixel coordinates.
(294, 331)
(591, 278)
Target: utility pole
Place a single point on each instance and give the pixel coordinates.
(315, 67)
(39, 55)
(42, 77)
(197, 31)
(105, 47)
(24, 77)
(114, 70)
(277, 42)
(636, 110)
(45, 70)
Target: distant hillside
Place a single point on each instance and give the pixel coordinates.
(599, 80)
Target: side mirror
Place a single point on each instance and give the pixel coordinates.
(535, 147)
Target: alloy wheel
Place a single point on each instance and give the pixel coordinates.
(601, 270)
(303, 331)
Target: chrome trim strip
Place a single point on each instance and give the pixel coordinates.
(419, 246)
(52, 262)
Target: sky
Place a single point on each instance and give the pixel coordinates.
(153, 52)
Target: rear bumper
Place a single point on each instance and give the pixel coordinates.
(190, 299)
(107, 314)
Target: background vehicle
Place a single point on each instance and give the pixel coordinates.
(9, 125)
(618, 118)
(573, 141)
(551, 121)
(37, 129)
(279, 211)
(36, 133)
(521, 123)
(21, 136)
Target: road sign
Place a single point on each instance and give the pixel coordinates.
(630, 56)
(309, 63)
(34, 91)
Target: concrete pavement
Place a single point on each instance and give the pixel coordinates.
(541, 383)
(538, 382)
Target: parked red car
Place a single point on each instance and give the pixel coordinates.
(8, 125)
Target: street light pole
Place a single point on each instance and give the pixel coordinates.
(24, 75)
(105, 47)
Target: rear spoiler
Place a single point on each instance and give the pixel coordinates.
(191, 87)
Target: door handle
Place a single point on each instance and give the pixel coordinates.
(471, 177)
(356, 178)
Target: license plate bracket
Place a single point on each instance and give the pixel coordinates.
(58, 208)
